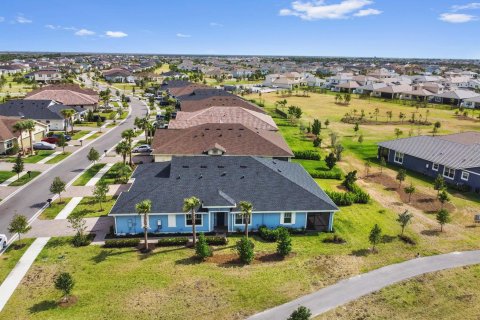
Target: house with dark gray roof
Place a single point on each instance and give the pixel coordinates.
(456, 157)
(46, 111)
(282, 194)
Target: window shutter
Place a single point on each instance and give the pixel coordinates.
(281, 217)
(172, 221)
(293, 217)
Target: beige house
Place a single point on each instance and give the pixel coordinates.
(9, 137)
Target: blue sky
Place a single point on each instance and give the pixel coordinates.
(382, 28)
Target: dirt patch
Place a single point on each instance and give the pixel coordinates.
(72, 300)
(467, 118)
(328, 270)
(419, 200)
(232, 259)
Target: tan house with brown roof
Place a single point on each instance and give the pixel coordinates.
(214, 139)
(9, 137)
(68, 95)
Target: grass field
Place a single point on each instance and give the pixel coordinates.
(111, 176)
(91, 209)
(40, 155)
(164, 68)
(59, 158)
(51, 212)
(78, 135)
(25, 179)
(5, 175)
(89, 174)
(447, 294)
(10, 257)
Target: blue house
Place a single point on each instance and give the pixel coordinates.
(282, 194)
(456, 157)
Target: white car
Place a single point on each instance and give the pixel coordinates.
(144, 148)
(43, 145)
(3, 241)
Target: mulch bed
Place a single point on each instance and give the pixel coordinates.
(422, 201)
(72, 300)
(365, 121)
(467, 118)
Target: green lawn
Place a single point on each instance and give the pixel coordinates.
(90, 208)
(40, 154)
(95, 136)
(78, 135)
(59, 158)
(111, 176)
(25, 179)
(51, 212)
(89, 174)
(10, 257)
(5, 175)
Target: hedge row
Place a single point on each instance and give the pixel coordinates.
(216, 240)
(121, 243)
(168, 242)
(307, 155)
(327, 175)
(350, 197)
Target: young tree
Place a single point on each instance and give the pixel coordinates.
(18, 166)
(316, 127)
(284, 242)
(360, 138)
(29, 125)
(19, 225)
(439, 184)
(338, 149)
(245, 250)
(57, 187)
(326, 123)
(62, 142)
(78, 223)
(93, 155)
(333, 139)
(401, 175)
(436, 127)
(443, 198)
(100, 192)
(65, 283)
(144, 207)
(246, 212)
(190, 205)
(404, 219)
(398, 132)
(350, 179)
(123, 173)
(301, 313)
(368, 165)
(330, 160)
(356, 127)
(410, 190)
(202, 249)
(443, 217)
(375, 236)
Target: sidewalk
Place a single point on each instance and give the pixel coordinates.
(93, 181)
(50, 157)
(12, 179)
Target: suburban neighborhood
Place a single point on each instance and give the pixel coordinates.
(188, 168)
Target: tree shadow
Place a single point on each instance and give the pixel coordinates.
(104, 254)
(188, 261)
(361, 252)
(387, 238)
(430, 233)
(43, 306)
(152, 253)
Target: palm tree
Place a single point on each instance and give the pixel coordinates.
(246, 212)
(29, 125)
(20, 127)
(128, 136)
(143, 208)
(67, 115)
(123, 148)
(148, 131)
(189, 207)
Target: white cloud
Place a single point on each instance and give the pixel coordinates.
(116, 34)
(367, 12)
(319, 9)
(468, 6)
(215, 24)
(51, 26)
(2, 19)
(182, 35)
(84, 32)
(21, 19)
(456, 17)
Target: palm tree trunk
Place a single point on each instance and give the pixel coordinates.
(21, 141)
(246, 226)
(145, 231)
(31, 141)
(194, 228)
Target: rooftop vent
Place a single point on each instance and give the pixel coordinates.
(243, 167)
(220, 167)
(224, 174)
(200, 177)
(203, 167)
(185, 167)
(242, 177)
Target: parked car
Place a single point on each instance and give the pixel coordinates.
(52, 140)
(3, 241)
(43, 145)
(56, 135)
(144, 148)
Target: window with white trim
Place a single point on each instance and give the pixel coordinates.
(398, 157)
(198, 220)
(448, 173)
(435, 166)
(287, 218)
(465, 175)
(240, 220)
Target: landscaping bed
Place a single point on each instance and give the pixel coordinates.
(25, 179)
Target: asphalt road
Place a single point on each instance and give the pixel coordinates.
(33, 197)
(351, 289)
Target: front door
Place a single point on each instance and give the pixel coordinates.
(220, 219)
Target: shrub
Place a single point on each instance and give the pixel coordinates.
(268, 234)
(327, 175)
(302, 313)
(341, 198)
(81, 240)
(216, 240)
(121, 243)
(334, 239)
(407, 239)
(168, 242)
(307, 155)
(202, 249)
(245, 250)
(284, 245)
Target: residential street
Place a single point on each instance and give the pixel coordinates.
(30, 199)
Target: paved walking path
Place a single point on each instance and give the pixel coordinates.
(16, 275)
(12, 179)
(93, 181)
(351, 289)
(68, 208)
(88, 135)
(50, 157)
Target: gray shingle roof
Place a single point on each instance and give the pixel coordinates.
(33, 109)
(446, 150)
(271, 185)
